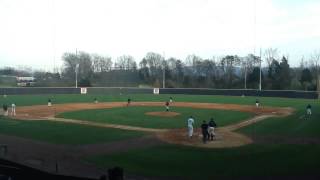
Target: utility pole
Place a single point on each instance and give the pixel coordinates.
(245, 74)
(260, 72)
(76, 69)
(163, 72)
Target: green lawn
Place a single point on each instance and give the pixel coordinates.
(294, 125)
(170, 160)
(197, 163)
(62, 133)
(23, 100)
(291, 125)
(135, 116)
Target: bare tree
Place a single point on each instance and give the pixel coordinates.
(249, 62)
(194, 62)
(228, 63)
(271, 54)
(175, 67)
(303, 63)
(172, 62)
(152, 63)
(71, 60)
(315, 58)
(154, 60)
(125, 62)
(315, 62)
(101, 63)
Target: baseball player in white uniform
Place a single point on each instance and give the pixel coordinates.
(49, 102)
(309, 112)
(190, 123)
(257, 103)
(13, 109)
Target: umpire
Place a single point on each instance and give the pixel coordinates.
(205, 134)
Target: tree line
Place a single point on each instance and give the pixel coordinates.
(230, 71)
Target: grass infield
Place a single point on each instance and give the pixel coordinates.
(135, 116)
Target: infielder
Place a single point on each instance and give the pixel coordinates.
(95, 100)
(5, 109)
(13, 109)
(129, 101)
(170, 100)
(49, 102)
(309, 110)
(257, 103)
(190, 123)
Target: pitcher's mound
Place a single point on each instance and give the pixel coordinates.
(163, 114)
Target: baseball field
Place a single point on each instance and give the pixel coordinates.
(276, 140)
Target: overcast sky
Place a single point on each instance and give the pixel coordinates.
(36, 33)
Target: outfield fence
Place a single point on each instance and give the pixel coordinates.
(191, 91)
(39, 90)
(243, 92)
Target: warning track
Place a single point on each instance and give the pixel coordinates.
(226, 136)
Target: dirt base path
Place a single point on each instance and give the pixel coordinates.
(226, 137)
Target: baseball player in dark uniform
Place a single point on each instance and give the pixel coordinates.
(129, 101)
(212, 125)
(167, 106)
(5, 109)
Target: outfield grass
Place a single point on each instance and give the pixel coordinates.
(295, 125)
(135, 116)
(24, 100)
(62, 133)
(291, 126)
(197, 163)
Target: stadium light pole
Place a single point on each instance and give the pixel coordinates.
(164, 76)
(260, 72)
(245, 74)
(77, 67)
(163, 72)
